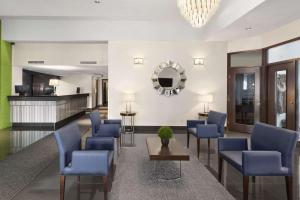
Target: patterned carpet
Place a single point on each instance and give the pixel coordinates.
(136, 179)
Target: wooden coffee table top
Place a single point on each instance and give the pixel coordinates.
(174, 151)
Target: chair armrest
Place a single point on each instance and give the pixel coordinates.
(208, 130)
(194, 123)
(108, 130)
(113, 121)
(261, 163)
(90, 162)
(232, 144)
(99, 143)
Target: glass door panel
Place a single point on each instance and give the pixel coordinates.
(280, 98)
(282, 95)
(244, 98)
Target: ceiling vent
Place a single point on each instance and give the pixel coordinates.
(88, 62)
(36, 62)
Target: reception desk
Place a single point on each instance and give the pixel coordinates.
(47, 112)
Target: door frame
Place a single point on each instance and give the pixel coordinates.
(290, 66)
(232, 125)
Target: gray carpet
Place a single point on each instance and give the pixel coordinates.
(136, 179)
(18, 170)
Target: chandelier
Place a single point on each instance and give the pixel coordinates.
(197, 12)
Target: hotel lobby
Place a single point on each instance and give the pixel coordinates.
(142, 100)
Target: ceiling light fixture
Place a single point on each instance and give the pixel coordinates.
(197, 12)
(98, 1)
(248, 28)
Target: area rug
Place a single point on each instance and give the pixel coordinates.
(136, 178)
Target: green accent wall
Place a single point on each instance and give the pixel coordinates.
(5, 81)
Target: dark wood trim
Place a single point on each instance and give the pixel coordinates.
(282, 43)
(102, 90)
(264, 87)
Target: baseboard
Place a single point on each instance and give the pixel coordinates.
(154, 129)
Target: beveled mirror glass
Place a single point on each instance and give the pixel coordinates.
(168, 78)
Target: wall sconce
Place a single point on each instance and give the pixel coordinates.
(198, 61)
(138, 61)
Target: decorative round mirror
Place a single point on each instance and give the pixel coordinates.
(168, 78)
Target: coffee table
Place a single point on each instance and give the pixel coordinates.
(174, 152)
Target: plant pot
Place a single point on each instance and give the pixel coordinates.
(165, 142)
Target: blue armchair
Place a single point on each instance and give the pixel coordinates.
(213, 129)
(271, 154)
(96, 160)
(110, 128)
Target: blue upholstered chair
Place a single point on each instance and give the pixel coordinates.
(110, 128)
(213, 129)
(96, 160)
(271, 154)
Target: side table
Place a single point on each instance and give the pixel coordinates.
(127, 125)
(203, 116)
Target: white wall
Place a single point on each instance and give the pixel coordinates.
(68, 85)
(17, 78)
(151, 108)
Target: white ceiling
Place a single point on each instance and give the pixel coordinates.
(46, 20)
(63, 70)
(266, 17)
(228, 23)
(108, 10)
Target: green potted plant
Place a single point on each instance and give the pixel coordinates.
(165, 133)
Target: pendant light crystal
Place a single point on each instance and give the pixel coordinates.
(197, 12)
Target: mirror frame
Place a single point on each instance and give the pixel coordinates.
(172, 90)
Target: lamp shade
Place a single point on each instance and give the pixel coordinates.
(54, 82)
(129, 97)
(208, 98)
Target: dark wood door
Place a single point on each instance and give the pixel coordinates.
(104, 92)
(97, 92)
(243, 98)
(282, 95)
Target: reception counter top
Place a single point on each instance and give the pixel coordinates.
(46, 98)
(46, 112)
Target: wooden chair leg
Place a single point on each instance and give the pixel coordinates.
(120, 141)
(289, 187)
(78, 187)
(198, 148)
(118, 146)
(245, 187)
(105, 186)
(188, 139)
(62, 187)
(208, 152)
(220, 168)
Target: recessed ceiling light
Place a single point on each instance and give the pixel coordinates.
(248, 28)
(98, 1)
